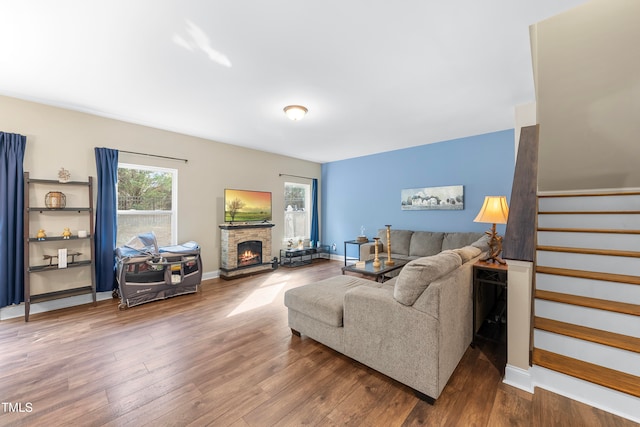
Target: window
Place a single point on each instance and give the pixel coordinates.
(147, 201)
(297, 211)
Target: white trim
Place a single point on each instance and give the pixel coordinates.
(590, 191)
(615, 402)
(13, 311)
(207, 275)
(609, 400)
(518, 378)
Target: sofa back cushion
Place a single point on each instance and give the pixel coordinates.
(400, 240)
(425, 243)
(458, 240)
(467, 253)
(416, 276)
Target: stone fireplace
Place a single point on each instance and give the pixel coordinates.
(244, 249)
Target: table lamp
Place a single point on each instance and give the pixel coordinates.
(494, 211)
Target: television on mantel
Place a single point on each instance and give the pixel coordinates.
(247, 206)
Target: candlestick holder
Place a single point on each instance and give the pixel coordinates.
(389, 260)
(376, 260)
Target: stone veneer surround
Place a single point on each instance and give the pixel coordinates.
(231, 235)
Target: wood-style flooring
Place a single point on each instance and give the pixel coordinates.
(226, 357)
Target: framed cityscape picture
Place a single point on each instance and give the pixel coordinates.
(433, 198)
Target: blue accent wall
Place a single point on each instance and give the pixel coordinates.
(365, 191)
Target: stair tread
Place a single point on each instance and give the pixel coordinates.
(588, 212)
(588, 230)
(606, 377)
(593, 275)
(600, 304)
(612, 339)
(589, 251)
(594, 194)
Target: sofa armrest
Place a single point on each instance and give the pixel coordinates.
(367, 250)
(392, 338)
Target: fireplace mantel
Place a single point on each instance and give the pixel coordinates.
(231, 226)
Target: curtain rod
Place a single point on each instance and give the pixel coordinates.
(154, 155)
(296, 176)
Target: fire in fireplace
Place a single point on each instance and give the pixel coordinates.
(249, 253)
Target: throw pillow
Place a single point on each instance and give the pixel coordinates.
(418, 274)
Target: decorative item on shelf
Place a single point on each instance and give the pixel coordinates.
(65, 254)
(55, 200)
(300, 244)
(66, 233)
(82, 234)
(64, 175)
(389, 260)
(361, 265)
(376, 260)
(494, 210)
(290, 243)
(62, 258)
(41, 235)
(362, 238)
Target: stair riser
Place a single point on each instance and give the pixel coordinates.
(624, 324)
(593, 203)
(594, 221)
(621, 242)
(609, 357)
(611, 291)
(599, 263)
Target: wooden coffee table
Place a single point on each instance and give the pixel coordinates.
(378, 274)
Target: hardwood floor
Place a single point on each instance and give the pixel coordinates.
(225, 357)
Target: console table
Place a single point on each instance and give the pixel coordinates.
(297, 257)
(489, 301)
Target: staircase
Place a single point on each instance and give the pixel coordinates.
(587, 288)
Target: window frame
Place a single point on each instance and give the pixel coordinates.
(174, 194)
(307, 211)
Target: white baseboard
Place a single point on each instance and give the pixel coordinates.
(612, 401)
(518, 378)
(13, 311)
(207, 275)
(615, 402)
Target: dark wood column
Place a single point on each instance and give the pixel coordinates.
(520, 236)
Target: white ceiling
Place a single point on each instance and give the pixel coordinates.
(375, 75)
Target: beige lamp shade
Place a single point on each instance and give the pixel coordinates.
(494, 210)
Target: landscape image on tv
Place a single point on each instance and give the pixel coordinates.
(247, 206)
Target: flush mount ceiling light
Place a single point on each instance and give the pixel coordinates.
(295, 112)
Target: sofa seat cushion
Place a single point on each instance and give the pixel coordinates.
(425, 243)
(416, 276)
(323, 300)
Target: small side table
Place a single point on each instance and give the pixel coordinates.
(352, 242)
(490, 301)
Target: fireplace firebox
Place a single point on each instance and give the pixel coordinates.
(249, 253)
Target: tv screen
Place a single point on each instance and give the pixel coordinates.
(247, 206)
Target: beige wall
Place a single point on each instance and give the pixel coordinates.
(58, 138)
(588, 96)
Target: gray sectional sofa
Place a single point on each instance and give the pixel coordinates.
(413, 328)
(408, 244)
